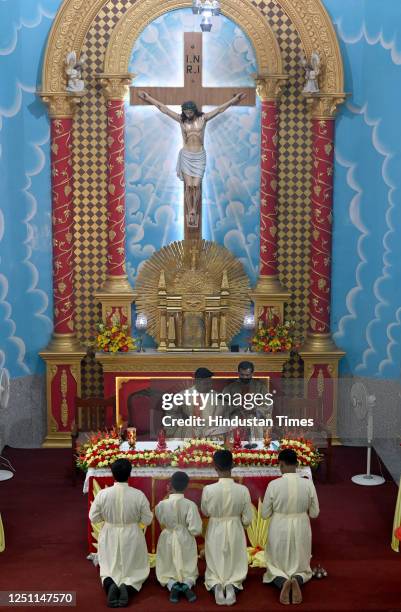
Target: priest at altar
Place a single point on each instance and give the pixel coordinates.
(260, 404)
(202, 403)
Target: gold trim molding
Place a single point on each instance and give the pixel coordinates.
(320, 346)
(61, 344)
(143, 12)
(324, 106)
(189, 362)
(61, 104)
(269, 87)
(115, 86)
(75, 17)
(116, 285)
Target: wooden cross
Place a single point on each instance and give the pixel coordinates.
(193, 90)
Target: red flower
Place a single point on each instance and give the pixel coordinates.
(397, 533)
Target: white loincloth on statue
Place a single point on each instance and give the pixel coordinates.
(191, 163)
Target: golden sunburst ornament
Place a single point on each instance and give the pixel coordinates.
(191, 274)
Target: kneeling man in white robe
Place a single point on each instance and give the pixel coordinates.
(289, 501)
(229, 508)
(177, 551)
(122, 551)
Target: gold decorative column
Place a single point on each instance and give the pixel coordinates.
(63, 355)
(116, 295)
(320, 354)
(269, 296)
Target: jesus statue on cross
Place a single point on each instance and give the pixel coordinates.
(191, 161)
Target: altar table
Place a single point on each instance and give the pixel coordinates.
(154, 483)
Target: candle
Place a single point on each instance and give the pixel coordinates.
(131, 436)
(267, 437)
(161, 440)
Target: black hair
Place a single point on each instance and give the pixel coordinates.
(121, 470)
(190, 106)
(223, 460)
(246, 365)
(179, 481)
(203, 373)
(288, 456)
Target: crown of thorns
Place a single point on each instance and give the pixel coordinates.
(189, 106)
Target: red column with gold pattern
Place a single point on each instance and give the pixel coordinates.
(321, 225)
(64, 353)
(116, 295)
(269, 296)
(268, 188)
(319, 353)
(115, 189)
(323, 115)
(62, 224)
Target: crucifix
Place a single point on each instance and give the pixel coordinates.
(192, 157)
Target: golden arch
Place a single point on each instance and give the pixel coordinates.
(143, 12)
(74, 18)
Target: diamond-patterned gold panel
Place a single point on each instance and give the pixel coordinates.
(90, 133)
(294, 176)
(90, 181)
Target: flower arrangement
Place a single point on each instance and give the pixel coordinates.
(306, 452)
(114, 338)
(196, 453)
(148, 458)
(274, 338)
(101, 446)
(255, 457)
(104, 448)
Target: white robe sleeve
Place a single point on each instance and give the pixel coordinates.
(96, 510)
(204, 502)
(146, 515)
(194, 521)
(159, 513)
(247, 512)
(267, 506)
(313, 509)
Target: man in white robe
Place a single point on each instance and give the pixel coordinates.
(177, 551)
(229, 508)
(202, 403)
(122, 551)
(290, 501)
(253, 389)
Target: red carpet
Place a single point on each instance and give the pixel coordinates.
(44, 522)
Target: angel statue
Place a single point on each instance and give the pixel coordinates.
(312, 70)
(191, 162)
(73, 70)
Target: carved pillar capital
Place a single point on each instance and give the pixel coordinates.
(269, 87)
(324, 105)
(61, 104)
(115, 86)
